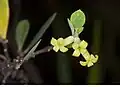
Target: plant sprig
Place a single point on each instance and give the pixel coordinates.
(76, 23)
(12, 65)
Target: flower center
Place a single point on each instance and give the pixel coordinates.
(60, 43)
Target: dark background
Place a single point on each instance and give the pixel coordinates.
(101, 31)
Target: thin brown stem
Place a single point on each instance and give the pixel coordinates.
(44, 50)
(3, 57)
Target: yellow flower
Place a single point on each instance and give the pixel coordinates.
(61, 43)
(90, 61)
(79, 47)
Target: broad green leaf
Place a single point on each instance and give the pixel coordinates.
(41, 32)
(4, 18)
(77, 19)
(71, 26)
(21, 33)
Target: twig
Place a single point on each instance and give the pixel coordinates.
(3, 57)
(44, 50)
(6, 76)
(6, 49)
(6, 60)
(10, 66)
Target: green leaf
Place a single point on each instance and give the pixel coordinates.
(41, 32)
(4, 18)
(78, 19)
(71, 26)
(21, 33)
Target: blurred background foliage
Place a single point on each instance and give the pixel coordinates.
(101, 31)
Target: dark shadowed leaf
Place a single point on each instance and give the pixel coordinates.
(41, 32)
(21, 33)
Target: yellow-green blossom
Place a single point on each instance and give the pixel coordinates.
(90, 61)
(61, 43)
(79, 46)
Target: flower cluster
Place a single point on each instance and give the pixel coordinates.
(76, 23)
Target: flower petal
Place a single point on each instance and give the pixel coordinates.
(83, 63)
(63, 49)
(60, 42)
(83, 44)
(68, 40)
(94, 60)
(53, 41)
(89, 64)
(56, 48)
(75, 46)
(76, 53)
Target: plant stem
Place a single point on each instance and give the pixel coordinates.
(4, 44)
(44, 50)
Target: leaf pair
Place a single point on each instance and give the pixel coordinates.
(76, 22)
(22, 30)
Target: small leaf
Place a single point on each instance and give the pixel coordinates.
(71, 27)
(41, 32)
(21, 33)
(78, 19)
(4, 18)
